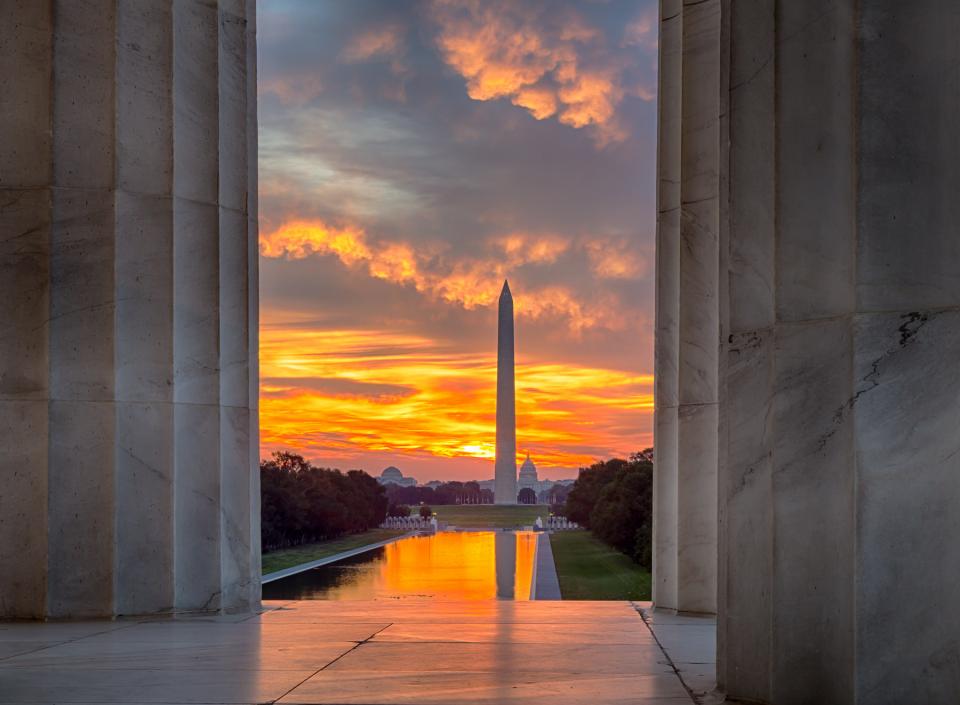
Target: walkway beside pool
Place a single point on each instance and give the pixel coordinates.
(375, 652)
(546, 584)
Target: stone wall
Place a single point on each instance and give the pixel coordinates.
(838, 459)
(128, 307)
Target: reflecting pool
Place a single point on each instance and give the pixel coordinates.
(450, 565)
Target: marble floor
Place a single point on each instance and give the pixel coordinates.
(374, 653)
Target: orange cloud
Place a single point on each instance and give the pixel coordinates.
(469, 282)
(352, 392)
(642, 30)
(293, 91)
(612, 259)
(539, 100)
(508, 50)
(522, 248)
(375, 43)
(592, 99)
(300, 239)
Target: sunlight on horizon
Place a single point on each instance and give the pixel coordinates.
(318, 387)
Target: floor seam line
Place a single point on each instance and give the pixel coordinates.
(676, 671)
(327, 665)
(68, 641)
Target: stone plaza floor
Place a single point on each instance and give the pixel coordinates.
(371, 653)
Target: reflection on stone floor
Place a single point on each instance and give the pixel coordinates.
(374, 652)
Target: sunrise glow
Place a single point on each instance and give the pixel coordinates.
(407, 167)
(355, 391)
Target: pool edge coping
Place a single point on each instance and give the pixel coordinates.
(303, 567)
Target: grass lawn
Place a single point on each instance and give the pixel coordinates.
(590, 570)
(285, 558)
(490, 515)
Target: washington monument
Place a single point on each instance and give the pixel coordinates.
(505, 474)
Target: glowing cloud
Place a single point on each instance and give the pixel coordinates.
(379, 42)
(642, 30)
(510, 50)
(336, 390)
(467, 282)
(612, 259)
(539, 100)
(521, 248)
(298, 239)
(293, 91)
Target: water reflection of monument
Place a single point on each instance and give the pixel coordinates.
(505, 562)
(451, 565)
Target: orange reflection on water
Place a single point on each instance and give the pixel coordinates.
(526, 554)
(476, 565)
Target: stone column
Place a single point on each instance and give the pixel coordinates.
(842, 392)
(666, 343)
(787, 617)
(128, 304)
(687, 309)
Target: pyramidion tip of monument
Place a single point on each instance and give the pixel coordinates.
(506, 288)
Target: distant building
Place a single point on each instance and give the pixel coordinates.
(529, 478)
(528, 475)
(392, 475)
(433, 484)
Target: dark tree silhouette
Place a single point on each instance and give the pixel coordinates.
(447, 493)
(586, 490)
(301, 503)
(527, 496)
(398, 510)
(556, 497)
(614, 499)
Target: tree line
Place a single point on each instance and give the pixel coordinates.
(301, 503)
(454, 492)
(614, 499)
(448, 493)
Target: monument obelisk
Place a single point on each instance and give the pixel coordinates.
(505, 470)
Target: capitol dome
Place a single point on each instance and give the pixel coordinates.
(393, 475)
(528, 474)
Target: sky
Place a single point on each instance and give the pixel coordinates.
(413, 155)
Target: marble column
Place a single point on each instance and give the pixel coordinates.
(666, 341)
(687, 349)
(128, 308)
(840, 391)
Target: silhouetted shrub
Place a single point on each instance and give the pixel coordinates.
(398, 510)
(425, 512)
(526, 496)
